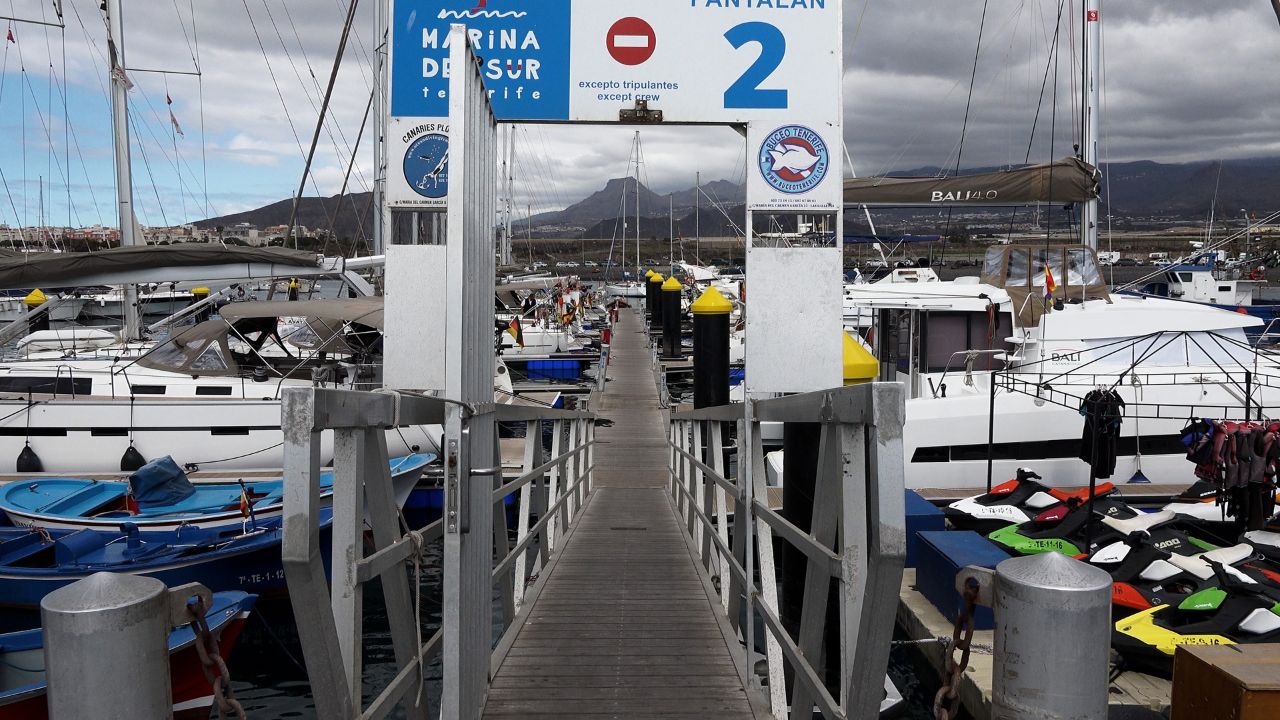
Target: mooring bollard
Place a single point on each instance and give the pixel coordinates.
(106, 646)
(711, 349)
(671, 291)
(648, 291)
(1053, 635)
(33, 301)
(655, 302)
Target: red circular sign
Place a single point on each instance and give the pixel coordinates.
(631, 41)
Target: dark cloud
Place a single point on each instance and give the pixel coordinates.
(1185, 79)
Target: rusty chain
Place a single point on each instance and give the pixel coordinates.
(949, 693)
(211, 662)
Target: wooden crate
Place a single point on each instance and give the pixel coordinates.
(1226, 682)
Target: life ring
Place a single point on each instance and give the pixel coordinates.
(1256, 274)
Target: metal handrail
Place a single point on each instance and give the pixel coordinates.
(362, 498)
(857, 535)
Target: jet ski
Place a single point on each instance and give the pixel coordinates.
(1063, 527)
(1229, 612)
(1013, 502)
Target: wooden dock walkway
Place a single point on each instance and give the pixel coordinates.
(625, 624)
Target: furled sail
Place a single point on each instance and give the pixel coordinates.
(1064, 181)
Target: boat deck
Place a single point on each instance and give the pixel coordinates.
(625, 623)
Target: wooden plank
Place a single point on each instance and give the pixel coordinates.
(623, 626)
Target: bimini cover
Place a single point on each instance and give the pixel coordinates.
(159, 483)
(28, 270)
(1021, 270)
(1064, 181)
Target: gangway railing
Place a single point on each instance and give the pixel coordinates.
(550, 491)
(857, 537)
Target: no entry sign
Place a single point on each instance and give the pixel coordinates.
(631, 41)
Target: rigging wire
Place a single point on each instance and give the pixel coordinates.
(280, 94)
(204, 158)
(324, 109)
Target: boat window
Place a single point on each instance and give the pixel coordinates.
(1017, 274)
(1051, 259)
(168, 354)
(1184, 277)
(1081, 268)
(147, 389)
(1224, 288)
(52, 385)
(210, 359)
(213, 389)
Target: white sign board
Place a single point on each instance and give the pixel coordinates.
(794, 339)
(775, 65)
(418, 162)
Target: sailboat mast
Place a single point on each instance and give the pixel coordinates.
(124, 175)
(1092, 102)
(697, 218)
(638, 204)
(508, 170)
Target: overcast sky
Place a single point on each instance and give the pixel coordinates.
(1184, 80)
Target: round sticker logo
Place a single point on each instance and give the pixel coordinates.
(793, 159)
(426, 165)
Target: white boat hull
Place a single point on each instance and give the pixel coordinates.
(89, 434)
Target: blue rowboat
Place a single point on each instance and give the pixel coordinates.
(22, 684)
(162, 498)
(35, 561)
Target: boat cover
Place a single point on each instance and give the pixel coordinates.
(28, 270)
(322, 326)
(1021, 271)
(159, 483)
(1063, 181)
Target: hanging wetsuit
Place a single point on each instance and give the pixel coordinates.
(1103, 412)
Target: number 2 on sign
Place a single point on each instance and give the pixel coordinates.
(746, 91)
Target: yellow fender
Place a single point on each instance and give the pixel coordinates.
(1141, 625)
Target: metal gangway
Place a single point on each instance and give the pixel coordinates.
(638, 579)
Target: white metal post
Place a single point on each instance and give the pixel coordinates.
(124, 175)
(1093, 99)
(469, 358)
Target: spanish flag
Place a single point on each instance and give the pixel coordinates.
(1049, 284)
(244, 501)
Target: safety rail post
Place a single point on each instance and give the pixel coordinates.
(857, 537)
(330, 622)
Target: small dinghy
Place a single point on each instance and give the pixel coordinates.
(34, 561)
(22, 678)
(159, 496)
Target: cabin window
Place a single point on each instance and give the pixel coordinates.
(213, 390)
(1224, 288)
(50, 385)
(147, 389)
(109, 432)
(229, 430)
(1017, 274)
(1081, 269)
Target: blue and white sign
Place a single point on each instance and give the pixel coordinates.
(764, 63)
(523, 46)
(426, 165)
(793, 159)
(417, 163)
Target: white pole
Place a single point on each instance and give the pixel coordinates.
(671, 227)
(697, 218)
(124, 175)
(638, 204)
(508, 164)
(381, 112)
(1093, 101)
